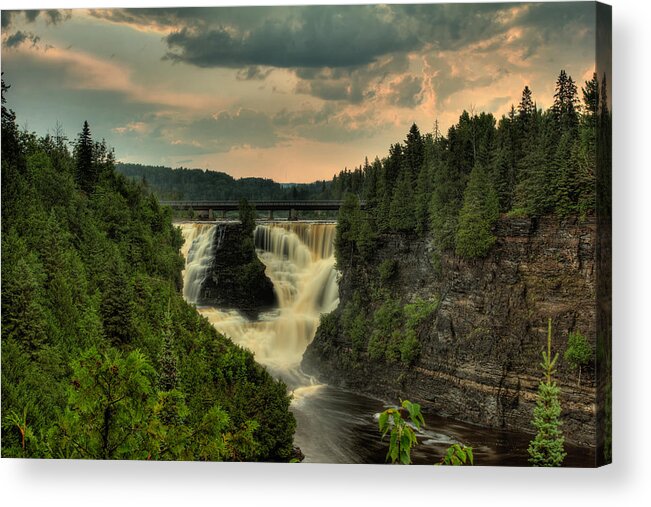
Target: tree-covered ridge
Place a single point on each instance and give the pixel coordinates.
(184, 184)
(529, 162)
(101, 356)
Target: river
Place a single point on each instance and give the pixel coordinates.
(333, 425)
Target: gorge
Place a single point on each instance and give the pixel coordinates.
(336, 400)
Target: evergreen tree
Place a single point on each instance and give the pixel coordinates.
(565, 103)
(414, 151)
(346, 231)
(423, 197)
(168, 359)
(85, 170)
(247, 216)
(402, 216)
(478, 215)
(116, 306)
(578, 352)
(547, 448)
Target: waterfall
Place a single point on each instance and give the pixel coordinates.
(299, 260)
(198, 251)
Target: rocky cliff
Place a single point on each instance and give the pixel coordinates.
(479, 349)
(236, 277)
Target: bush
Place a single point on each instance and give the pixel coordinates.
(388, 269)
(578, 352)
(409, 348)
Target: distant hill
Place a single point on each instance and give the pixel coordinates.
(199, 184)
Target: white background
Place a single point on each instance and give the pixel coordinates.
(626, 482)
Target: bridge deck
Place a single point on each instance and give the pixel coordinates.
(259, 205)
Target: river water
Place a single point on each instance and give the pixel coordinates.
(333, 425)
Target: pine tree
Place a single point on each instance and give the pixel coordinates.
(346, 229)
(168, 359)
(565, 103)
(478, 214)
(402, 216)
(578, 352)
(247, 216)
(116, 305)
(85, 170)
(423, 197)
(414, 151)
(547, 448)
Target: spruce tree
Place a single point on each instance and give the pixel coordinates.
(345, 233)
(478, 214)
(423, 197)
(414, 151)
(547, 448)
(402, 217)
(565, 103)
(85, 170)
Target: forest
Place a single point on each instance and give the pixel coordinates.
(529, 163)
(101, 356)
(182, 184)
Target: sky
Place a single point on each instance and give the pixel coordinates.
(294, 93)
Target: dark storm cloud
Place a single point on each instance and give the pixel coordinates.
(343, 36)
(319, 36)
(16, 39)
(51, 16)
(334, 50)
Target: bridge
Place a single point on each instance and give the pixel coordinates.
(293, 207)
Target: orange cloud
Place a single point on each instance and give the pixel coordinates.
(88, 72)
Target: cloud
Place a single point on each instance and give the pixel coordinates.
(407, 92)
(16, 39)
(85, 71)
(316, 36)
(51, 16)
(252, 72)
(223, 131)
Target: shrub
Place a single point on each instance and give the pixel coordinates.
(388, 269)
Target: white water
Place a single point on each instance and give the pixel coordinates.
(299, 260)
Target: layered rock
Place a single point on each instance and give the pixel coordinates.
(480, 350)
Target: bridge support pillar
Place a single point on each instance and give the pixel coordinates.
(210, 214)
(271, 214)
(223, 214)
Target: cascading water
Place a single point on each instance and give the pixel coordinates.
(299, 260)
(198, 250)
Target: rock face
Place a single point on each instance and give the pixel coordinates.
(480, 350)
(236, 277)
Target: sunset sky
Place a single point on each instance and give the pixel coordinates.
(290, 93)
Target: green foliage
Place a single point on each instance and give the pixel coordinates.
(458, 455)
(547, 448)
(401, 436)
(478, 214)
(402, 217)
(409, 347)
(417, 312)
(529, 163)
(387, 270)
(578, 352)
(101, 356)
(247, 216)
(394, 330)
